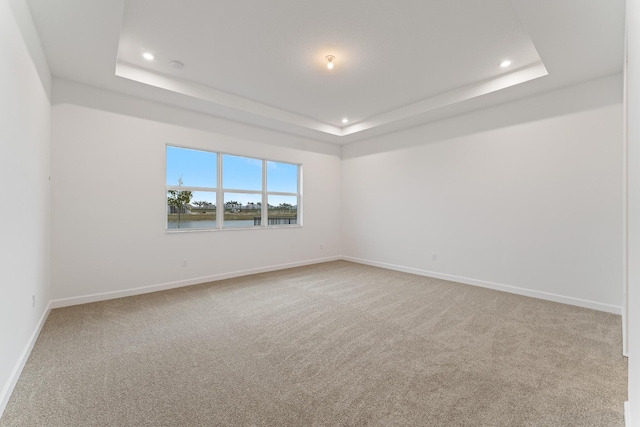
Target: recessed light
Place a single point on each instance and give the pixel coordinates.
(177, 64)
(345, 120)
(505, 63)
(148, 56)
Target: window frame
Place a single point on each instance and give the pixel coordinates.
(220, 191)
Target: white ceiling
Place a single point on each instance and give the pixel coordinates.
(397, 64)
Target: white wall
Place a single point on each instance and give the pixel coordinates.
(525, 197)
(633, 208)
(109, 204)
(25, 129)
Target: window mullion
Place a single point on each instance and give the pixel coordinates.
(265, 203)
(281, 193)
(230, 190)
(299, 213)
(219, 195)
(187, 188)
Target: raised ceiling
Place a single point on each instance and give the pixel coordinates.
(397, 63)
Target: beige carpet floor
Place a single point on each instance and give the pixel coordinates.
(334, 344)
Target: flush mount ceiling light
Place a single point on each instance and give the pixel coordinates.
(505, 63)
(345, 120)
(330, 59)
(177, 65)
(148, 56)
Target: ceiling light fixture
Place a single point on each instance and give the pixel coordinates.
(505, 63)
(330, 59)
(148, 56)
(345, 120)
(177, 65)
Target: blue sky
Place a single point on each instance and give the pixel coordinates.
(199, 169)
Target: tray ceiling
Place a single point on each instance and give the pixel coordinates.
(397, 64)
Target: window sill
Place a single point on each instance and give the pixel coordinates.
(213, 230)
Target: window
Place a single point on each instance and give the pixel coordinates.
(191, 188)
(246, 190)
(282, 193)
(242, 182)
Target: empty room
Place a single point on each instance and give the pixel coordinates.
(285, 213)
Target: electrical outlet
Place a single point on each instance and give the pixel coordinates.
(434, 256)
(184, 262)
(33, 301)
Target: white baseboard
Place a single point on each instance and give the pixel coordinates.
(496, 286)
(625, 339)
(627, 414)
(66, 302)
(5, 395)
